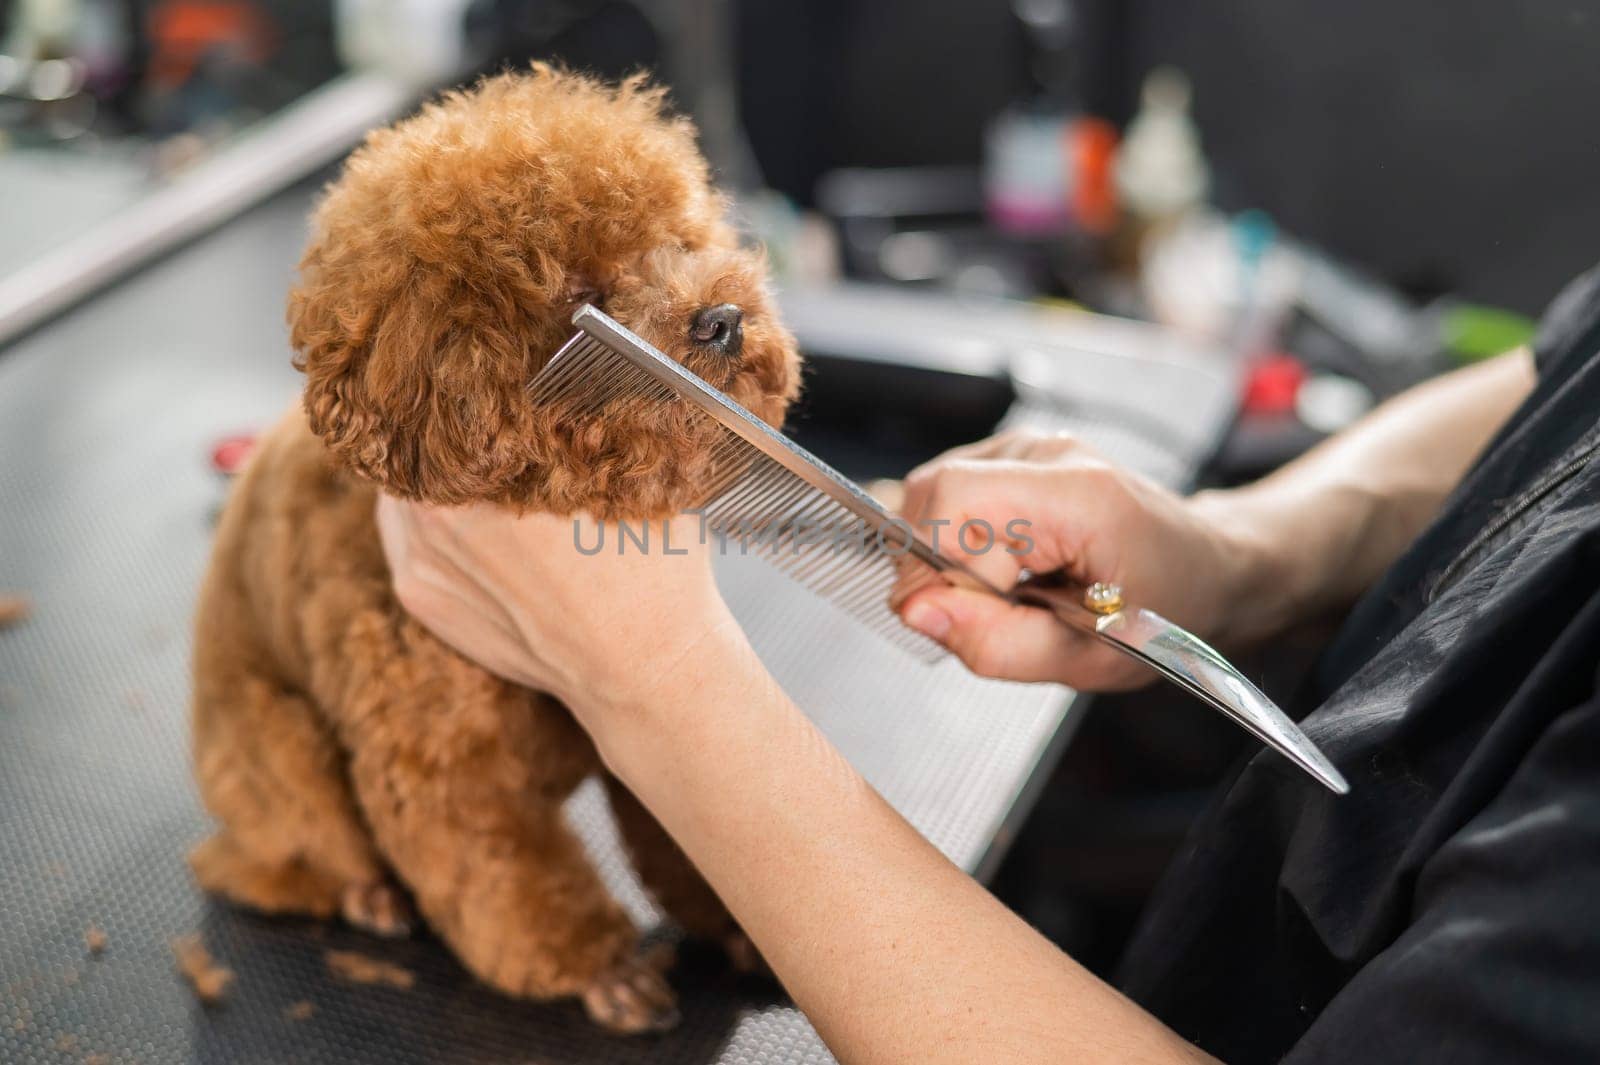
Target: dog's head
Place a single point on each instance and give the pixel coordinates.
(443, 269)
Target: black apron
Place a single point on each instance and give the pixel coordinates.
(1448, 909)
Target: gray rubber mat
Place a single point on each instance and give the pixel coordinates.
(106, 499)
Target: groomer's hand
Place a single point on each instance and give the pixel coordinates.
(519, 597)
(1081, 514)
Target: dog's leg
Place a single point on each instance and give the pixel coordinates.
(292, 840)
(674, 882)
(462, 778)
(514, 895)
(225, 868)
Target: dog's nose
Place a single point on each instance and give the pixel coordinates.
(720, 328)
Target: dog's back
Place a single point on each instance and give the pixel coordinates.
(295, 521)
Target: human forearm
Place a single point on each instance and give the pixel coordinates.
(1322, 528)
(893, 952)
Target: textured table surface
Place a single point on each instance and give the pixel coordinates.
(106, 418)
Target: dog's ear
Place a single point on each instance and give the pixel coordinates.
(409, 391)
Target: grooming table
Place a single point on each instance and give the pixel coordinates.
(106, 502)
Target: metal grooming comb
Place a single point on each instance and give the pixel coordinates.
(768, 495)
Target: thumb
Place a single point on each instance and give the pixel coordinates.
(996, 638)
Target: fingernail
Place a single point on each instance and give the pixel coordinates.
(928, 620)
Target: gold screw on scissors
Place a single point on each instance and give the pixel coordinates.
(1103, 598)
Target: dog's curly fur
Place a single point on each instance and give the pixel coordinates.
(355, 763)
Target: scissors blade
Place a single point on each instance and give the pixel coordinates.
(1191, 663)
(1186, 660)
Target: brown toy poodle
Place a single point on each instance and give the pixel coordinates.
(358, 766)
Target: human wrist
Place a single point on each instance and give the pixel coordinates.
(722, 689)
(1264, 585)
(627, 690)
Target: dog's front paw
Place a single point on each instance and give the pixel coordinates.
(380, 908)
(633, 997)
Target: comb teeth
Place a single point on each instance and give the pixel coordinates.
(754, 504)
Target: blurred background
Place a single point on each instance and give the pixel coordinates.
(1249, 221)
(1374, 191)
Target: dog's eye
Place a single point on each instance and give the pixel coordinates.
(582, 290)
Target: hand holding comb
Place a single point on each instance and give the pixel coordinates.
(770, 495)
